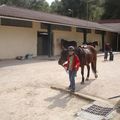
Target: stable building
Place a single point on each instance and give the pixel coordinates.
(113, 24)
(24, 31)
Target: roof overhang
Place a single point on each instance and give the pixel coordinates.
(29, 15)
(55, 23)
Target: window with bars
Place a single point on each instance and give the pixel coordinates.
(99, 32)
(56, 27)
(17, 23)
(83, 30)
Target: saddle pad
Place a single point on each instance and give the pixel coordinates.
(87, 51)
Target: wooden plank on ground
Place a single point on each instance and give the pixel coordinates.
(80, 95)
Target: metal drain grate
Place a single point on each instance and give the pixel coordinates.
(98, 110)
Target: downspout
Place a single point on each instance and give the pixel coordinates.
(84, 36)
(49, 40)
(117, 41)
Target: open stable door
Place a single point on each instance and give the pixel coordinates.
(42, 43)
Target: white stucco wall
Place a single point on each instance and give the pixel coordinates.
(17, 41)
(67, 35)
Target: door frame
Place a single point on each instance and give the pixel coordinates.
(50, 42)
(39, 34)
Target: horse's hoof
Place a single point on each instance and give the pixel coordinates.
(96, 76)
(82, 83)
(87, 79)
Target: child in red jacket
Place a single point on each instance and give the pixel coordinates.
(72, 66)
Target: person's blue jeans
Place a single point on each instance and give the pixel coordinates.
(72, 75)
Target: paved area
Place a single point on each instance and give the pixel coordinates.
(108, 82)
(25, 92)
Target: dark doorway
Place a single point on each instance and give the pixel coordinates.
(42, 43)
(118, 42)
(114, 42)
(103, 40)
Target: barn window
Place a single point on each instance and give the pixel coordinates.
(43, 26)
(17, 23)
(99, 32)
(61, 27)
(82, 30)
(56, 27)
(79, 30)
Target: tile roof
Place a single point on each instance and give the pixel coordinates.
(14, 12)
(111, 23)
(115, 26)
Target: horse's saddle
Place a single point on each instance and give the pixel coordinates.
(87, 51)
(84, 46)
(84, 49)
(85, 54)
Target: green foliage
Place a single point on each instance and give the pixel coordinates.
(112, 9)
(95, 9)
(39, 5)
(84, 9)
(73, 8)
(30, 4)
(56, 7)
(20, 3)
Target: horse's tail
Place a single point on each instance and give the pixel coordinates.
(94, 65)
(94, 61)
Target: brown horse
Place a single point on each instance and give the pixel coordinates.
(86, 56)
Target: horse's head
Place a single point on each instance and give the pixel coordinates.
(96, 43)
(63, 57)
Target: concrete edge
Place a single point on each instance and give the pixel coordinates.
(80, 95)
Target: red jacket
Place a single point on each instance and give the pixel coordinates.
(75, 63)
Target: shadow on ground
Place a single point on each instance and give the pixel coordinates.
(118, 107)
(7, 63)
(60, 100)
(87, 83)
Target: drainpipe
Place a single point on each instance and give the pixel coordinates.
(103, 40)
(117, 41)
(84, 36)
(49, 40)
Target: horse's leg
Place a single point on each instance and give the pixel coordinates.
(82, 73)
(88, 72)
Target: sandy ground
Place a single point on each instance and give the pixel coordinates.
(25, 92)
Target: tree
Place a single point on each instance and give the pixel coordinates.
(72, 8)
(20, 3)
(41, 5)
(56, 7)
(84, 9)
(111, 9)
(95, 10)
